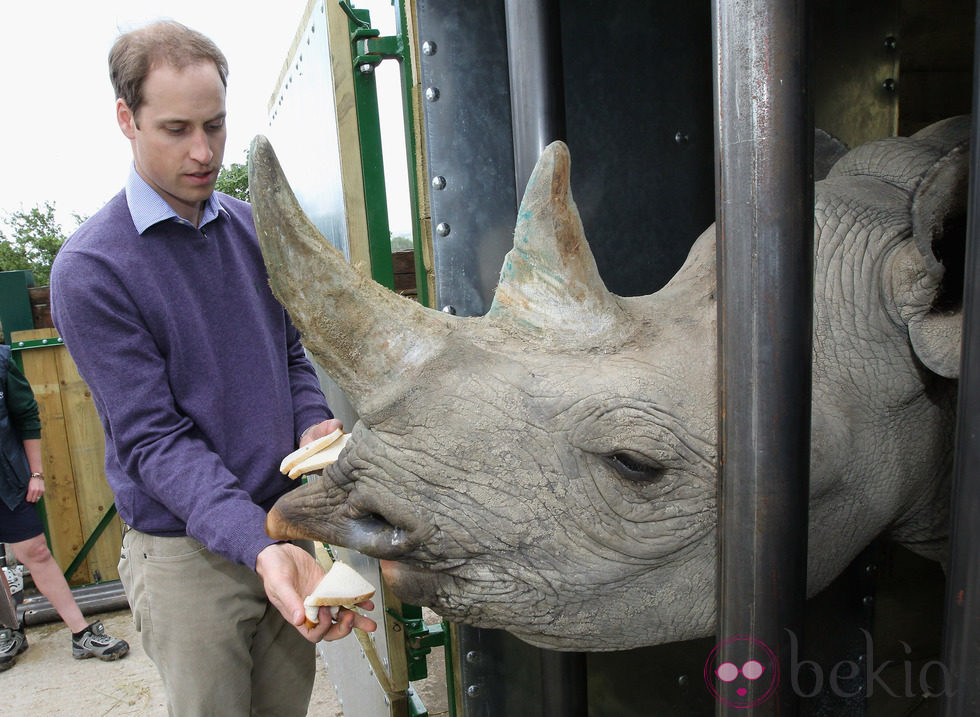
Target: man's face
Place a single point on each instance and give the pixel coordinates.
(178, 134)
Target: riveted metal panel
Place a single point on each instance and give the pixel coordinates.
(466, 107)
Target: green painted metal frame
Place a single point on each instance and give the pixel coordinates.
(369, 50)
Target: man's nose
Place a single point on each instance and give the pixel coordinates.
(201, 147)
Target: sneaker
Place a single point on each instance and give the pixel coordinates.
(12, 643)
(94, 642)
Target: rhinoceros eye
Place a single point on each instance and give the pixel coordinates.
(634, 468)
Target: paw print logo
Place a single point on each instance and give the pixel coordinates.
(745, 676)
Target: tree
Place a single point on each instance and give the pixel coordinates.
(31, 241)
(233, 180)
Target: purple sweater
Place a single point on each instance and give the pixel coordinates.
(198, 375)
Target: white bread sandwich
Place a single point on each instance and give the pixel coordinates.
(320, 459)
(301, 454)
(342, 586)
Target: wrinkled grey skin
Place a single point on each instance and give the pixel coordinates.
(550, 468)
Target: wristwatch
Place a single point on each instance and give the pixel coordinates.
(37, 475)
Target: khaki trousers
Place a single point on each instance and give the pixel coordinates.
(221, 648)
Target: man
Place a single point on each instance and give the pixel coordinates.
(202, 387)
(21, 487)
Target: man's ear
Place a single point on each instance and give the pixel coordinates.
(126, 119)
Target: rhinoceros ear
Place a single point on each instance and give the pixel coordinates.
(939, 226)
(549, 280)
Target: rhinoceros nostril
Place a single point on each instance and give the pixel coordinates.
(373, 535)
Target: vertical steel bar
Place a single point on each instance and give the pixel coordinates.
(961, 640)
(8, 608)
(537, 102)
(765, 243)
(537, 97)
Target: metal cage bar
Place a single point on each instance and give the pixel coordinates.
(537, 98)
(961, 639)
(764, 201)
(538, 118)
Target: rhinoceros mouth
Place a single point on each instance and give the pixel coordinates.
(334, 511)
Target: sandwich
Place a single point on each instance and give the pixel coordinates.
(342, 586)
(314, 455)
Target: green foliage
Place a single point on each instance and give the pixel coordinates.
(401, 243)
(31, 241)
(233, 180)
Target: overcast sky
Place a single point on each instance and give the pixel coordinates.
(61, 140)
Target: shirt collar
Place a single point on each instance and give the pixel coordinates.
(148, 208)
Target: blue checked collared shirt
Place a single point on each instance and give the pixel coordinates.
(148, 208)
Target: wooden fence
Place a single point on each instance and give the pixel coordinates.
(77, 498)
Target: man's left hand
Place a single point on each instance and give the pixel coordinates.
(288, 574)
(319, 430)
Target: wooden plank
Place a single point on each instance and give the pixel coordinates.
(349, 137)
(64, 525)
(403, 267)
(86, 444)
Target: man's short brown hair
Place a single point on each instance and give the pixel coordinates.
(166, 42)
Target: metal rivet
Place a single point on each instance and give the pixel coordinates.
(682, 681)
(366, 68)
(447, 309)
(438, 182)
(867, 601)
(473, 691)
(889, 85)
(429, 48)
(432, 94)
(681, 138)
(442, 229)
(890, 42)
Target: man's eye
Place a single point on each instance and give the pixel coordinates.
(174, 130)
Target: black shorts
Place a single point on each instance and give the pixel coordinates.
(22, 523)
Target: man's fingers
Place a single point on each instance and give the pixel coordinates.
(363, 622)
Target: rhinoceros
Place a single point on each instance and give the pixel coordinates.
(550, 468)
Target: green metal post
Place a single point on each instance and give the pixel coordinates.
(372, 161)
(369, 50)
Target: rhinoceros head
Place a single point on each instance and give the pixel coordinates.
(550, 468)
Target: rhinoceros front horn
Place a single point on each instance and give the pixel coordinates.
(362, 334)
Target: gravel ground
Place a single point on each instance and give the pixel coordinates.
(48, 682)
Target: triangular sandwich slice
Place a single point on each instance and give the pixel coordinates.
(342, 586)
